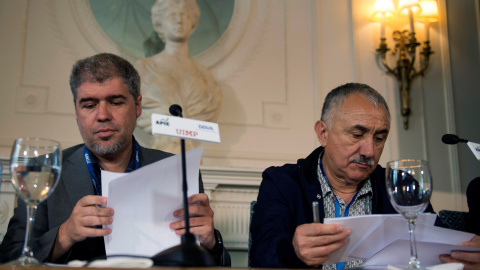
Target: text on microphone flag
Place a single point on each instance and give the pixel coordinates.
(185, 128)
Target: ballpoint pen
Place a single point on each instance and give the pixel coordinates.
(316, 213)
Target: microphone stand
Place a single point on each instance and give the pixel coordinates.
(188, 253)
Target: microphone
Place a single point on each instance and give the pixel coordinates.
(452, 139)
(175, 110)
(188, 253)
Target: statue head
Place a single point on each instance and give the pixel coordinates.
(171, 11)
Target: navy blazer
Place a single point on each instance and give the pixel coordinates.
(74, 184)
(285, 201)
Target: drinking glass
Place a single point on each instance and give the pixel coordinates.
(409, 186)
(35, 167)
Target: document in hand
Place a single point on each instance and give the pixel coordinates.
(144, 201)
(384, 240)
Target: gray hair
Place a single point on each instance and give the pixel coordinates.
(337, 96)
(161, 6)
(103, 67)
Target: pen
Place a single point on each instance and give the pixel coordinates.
(316, 213)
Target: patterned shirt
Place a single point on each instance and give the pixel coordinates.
(362, 205)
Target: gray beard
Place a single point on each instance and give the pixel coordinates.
(107, 150)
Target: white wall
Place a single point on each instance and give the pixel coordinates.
(288, 54)
(465, 61)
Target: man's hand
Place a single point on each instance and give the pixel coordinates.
(86, 215)
(471, 260)
(314, 242)
(201, 220)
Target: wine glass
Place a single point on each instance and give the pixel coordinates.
(35, 168)
(409, 186)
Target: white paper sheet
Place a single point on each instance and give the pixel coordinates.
(398, 253)
(361, 227)
(144, 201)
(108, 177)
(392, 229)
(384, 240)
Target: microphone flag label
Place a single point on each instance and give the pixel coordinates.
(475, 147)
(185, 128)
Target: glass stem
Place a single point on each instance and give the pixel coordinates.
(414, 262)
(27, 245)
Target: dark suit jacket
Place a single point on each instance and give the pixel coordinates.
(285, 201)
(74, 184)
(473, 201)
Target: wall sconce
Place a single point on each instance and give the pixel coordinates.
(425, 11)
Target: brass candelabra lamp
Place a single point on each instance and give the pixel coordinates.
(405, 44)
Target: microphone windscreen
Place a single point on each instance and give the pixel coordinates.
(175, 110)
(450, 139)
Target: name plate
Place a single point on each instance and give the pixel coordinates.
(184, 128)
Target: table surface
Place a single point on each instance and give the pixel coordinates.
(60, 267)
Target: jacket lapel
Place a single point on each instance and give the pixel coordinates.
(309, 181)
(76, 178)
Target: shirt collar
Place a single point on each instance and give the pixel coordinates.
(366, 186)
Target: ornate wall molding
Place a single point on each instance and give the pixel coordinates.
(93, 32)
(55, 20)
(224, 46)
(231, 176)
(231, 190)
(31, 99)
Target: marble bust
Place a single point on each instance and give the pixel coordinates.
(172, 76)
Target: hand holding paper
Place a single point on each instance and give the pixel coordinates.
(314, 242)
(144, 202)
(82, 224)
(201, 221)
(471, 260)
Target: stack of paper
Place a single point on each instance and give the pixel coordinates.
(144, 201)
(384, 240)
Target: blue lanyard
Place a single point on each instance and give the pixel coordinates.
(97, 182)
(340, 265)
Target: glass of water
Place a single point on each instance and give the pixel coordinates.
(409, 186)
(35, 166)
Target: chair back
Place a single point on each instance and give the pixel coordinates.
(252, 204)
(455, 220)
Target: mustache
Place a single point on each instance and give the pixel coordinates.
(362, 159)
